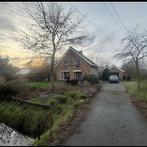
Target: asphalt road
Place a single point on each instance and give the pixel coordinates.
(112, 121)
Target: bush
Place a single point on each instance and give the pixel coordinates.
(93, 79)
(6, 91)
(53, 103)
(61, 99)
(72, 94)
(59, 109)
(74, 82)
(76, 105)
(38, 77)
(13, 88)
(105, 74)
(21, 88)
(128, 78)
(75, 95)
(82, 96)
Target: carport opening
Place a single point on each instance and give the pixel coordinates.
(114, 73)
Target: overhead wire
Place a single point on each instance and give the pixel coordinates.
(97, 28)
(116, 21)
(119, 18)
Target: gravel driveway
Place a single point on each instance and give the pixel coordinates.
(112, 121)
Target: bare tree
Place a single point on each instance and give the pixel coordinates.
(134, 49)
(54, 28)
(130, 70)
(101, 62)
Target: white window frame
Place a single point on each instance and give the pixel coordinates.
(77, 70)
(63, 72)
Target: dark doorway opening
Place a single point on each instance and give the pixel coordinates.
(114, 73)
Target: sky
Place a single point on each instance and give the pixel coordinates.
(101, 22)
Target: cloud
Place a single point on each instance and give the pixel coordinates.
(8, 8)
(4, 7)
(2, 37)
(6, 23)
(104, 47)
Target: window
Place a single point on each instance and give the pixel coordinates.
(64, 75)
(65, 62)
(77, 75)
(72, 61)
(75, 61)
(78, 61)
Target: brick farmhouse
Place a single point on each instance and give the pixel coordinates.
(74, 64)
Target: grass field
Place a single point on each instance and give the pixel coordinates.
(42, 85)
(59, 86)
(132, 89)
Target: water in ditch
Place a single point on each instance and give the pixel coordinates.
(9, 137)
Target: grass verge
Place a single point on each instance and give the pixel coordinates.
(41, 85)
(133, 91)
(138, 98)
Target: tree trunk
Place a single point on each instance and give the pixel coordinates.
(138, 76)
(52, 72)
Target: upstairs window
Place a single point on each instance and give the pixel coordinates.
(72, 61)
(78, 61)
(65, 62)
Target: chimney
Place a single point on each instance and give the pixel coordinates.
(81, 52)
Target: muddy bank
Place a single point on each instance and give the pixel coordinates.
(141, 106)
(79, 116)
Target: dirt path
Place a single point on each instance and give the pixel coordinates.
(112, 120)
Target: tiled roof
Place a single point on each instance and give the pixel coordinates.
(114, 66)
(82, 56)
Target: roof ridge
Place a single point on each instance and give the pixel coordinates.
(83, 56)
(116, 67)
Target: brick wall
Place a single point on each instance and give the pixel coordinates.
(83, 66)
